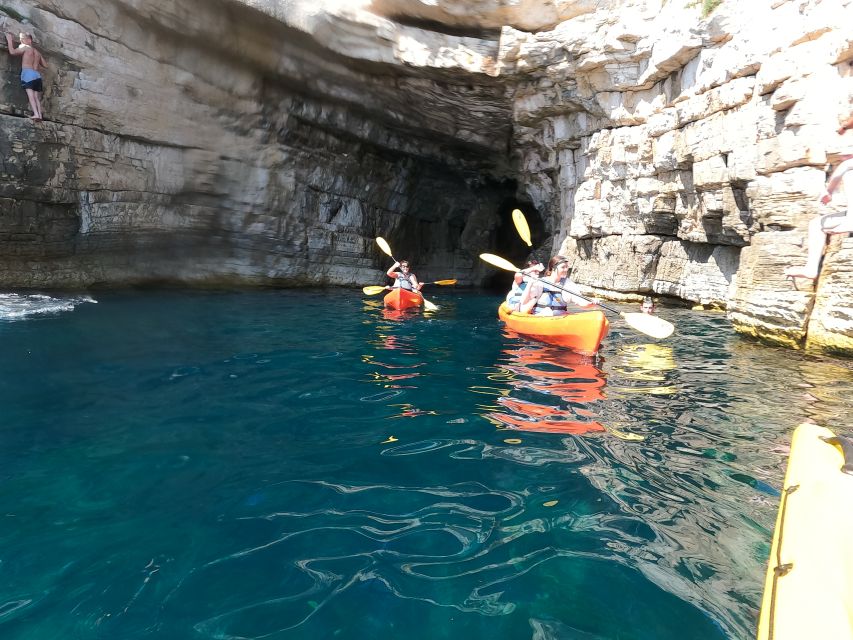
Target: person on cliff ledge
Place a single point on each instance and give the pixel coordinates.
(827, 224)
(403, 279)
(31, 79)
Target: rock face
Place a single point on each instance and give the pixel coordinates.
(262, 141)
(685, 156)
(223, 142)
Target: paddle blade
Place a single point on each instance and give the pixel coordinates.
(372, 291)
(384, 246)
(444, 282)
(521, 226)
(429, 306)
(653, 326)
(497, 261)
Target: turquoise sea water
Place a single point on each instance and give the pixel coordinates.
(292, 464)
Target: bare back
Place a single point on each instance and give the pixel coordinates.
(31, 58)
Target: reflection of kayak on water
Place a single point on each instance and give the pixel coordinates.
(541, 419)
(581, 332)
(396, 315)
(559, 376)
(808, 591)
(400, 298)
(569, 376)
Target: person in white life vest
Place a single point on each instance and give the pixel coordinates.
(404, 278)
(540, 299)
(520, 282)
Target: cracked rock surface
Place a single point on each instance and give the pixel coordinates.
(270, 142)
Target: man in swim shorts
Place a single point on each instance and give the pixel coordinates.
(31, 79)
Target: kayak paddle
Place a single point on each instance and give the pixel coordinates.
(521, 226)
(372, 290)
(653, 326)
(386, 249)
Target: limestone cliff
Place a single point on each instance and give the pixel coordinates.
(685, 156)
(246, 142)
(269, 141)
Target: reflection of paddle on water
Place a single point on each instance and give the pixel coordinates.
(649, 363)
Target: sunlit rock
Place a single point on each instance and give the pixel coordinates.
(271, 141)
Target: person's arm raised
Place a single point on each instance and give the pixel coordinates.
(13, 50)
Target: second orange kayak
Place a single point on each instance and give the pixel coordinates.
(402, 299)
(582, 332)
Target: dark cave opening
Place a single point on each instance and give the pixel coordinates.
(508, 243)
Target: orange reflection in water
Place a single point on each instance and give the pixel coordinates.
(398, 315)
(400, 363)
(563, 381)
(411, 411)
(406, 344)
(395, 372)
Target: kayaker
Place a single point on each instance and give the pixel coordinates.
(648, 305)
(404, 278)
(540, 299)
(519, 283)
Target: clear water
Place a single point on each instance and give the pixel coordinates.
(305, 465)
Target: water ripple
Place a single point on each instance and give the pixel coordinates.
(14, 306)
(212, 465)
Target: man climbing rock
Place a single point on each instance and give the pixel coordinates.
(31, 61)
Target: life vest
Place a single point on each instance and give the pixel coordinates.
(552, 299)
(403, 282)
(513, 298)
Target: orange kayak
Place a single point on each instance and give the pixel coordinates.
(402, 299)
(582, 332)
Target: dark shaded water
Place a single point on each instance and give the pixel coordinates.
(305, 465)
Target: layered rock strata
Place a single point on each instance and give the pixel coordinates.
(215, 142)
(685, 156)
(263, 141)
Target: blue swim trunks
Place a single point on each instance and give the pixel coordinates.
(31, 79)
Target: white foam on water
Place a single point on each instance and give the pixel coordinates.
(15, 306)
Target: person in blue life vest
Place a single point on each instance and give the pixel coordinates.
(31, 62)
(540, 299)
(403, 278)
(519, 283)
